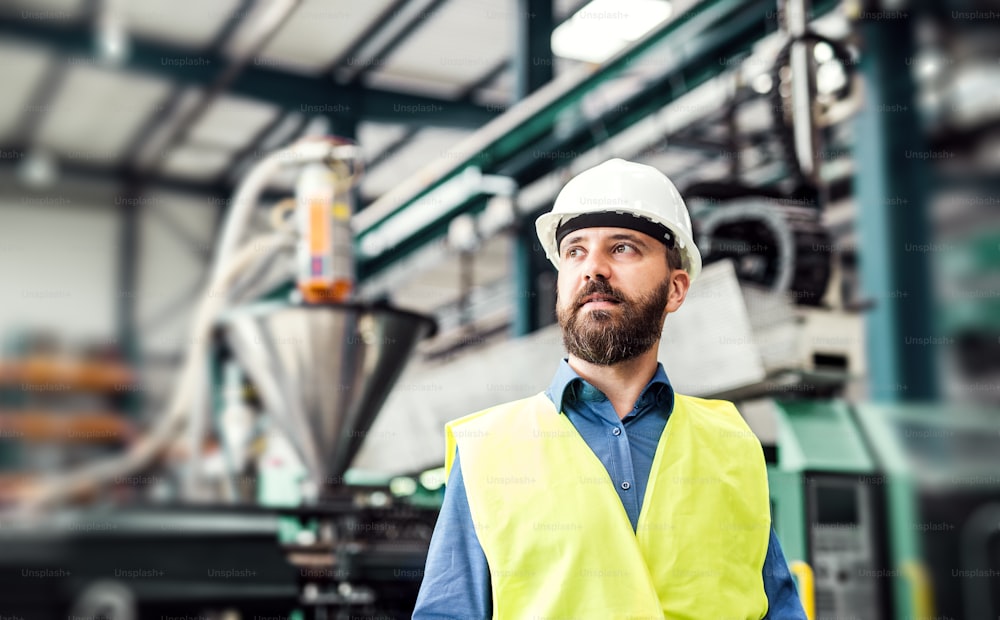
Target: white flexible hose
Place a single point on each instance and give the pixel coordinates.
(159, 437)
(229, 262)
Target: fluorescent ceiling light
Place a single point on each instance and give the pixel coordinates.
(602, 28)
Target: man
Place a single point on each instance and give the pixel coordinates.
(609, 496)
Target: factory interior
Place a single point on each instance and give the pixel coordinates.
(257, 253)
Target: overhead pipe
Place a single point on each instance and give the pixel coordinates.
(509, 135)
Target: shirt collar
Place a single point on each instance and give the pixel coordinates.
(568, 387)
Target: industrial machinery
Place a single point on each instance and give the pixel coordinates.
(884, 510)
(286, 373)
(889, 511)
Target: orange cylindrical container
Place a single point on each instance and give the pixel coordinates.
(325, 260)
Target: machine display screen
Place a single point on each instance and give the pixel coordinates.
(836, 505)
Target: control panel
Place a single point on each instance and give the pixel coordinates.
(844, 557)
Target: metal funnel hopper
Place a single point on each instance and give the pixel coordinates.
(324, 371)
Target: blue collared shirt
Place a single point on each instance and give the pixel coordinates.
(456, 584)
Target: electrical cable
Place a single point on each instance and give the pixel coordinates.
(782, 124)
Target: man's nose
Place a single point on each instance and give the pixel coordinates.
(596, 266)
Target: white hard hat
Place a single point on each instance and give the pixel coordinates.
(621, 194)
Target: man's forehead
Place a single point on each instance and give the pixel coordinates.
(607, 232)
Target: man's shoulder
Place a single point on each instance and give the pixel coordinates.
(721, 422)
(711, 410)
(498, 413)
(708, 404)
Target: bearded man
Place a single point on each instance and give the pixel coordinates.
(609, 495)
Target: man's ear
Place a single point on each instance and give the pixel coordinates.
(680, 282)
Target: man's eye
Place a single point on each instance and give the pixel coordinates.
(572, 252)
(623, 248)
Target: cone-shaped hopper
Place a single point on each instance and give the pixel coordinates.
(324, 371)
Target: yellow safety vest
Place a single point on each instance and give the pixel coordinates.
(559, 543)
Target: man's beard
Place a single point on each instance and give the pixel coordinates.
(607, 337)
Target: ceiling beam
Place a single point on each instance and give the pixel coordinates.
(349, 57)
(266, 28)
(291, 91)
(378, 56)
(33, 115)
(274, 133)
(498, 69)
(232, 23)
(78, 170)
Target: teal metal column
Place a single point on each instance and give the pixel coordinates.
(532, 46)
(129, 212)
(532, 69)
(892, 191)
(895, 243)
(534, 305)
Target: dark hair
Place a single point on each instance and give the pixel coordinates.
(674, 258)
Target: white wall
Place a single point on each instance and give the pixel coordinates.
(170, 270)
(57, 265)
(59, 268)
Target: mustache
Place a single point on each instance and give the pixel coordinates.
(598, 287)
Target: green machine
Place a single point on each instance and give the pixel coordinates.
(889, 511)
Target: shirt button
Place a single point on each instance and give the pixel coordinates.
(616, 431)
(626, 486)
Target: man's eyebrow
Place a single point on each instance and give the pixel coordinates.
(630, 237)
(571, 240)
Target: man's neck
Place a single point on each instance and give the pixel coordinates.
(622, 383)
